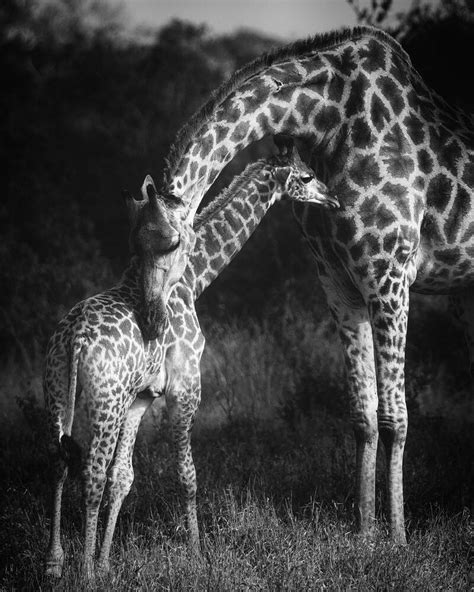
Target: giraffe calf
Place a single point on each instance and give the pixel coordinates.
(98, 351)
(100, 347)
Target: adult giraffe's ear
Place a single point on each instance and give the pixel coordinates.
(285, 145)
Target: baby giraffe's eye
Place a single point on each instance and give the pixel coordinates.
(307, 179)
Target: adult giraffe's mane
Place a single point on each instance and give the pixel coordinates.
(300, 48)
(229, 193)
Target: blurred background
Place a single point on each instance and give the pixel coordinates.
(93, 93)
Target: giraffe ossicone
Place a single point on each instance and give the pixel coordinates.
(402, 164)
(99, 350)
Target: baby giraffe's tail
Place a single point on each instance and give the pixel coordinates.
(69, 448)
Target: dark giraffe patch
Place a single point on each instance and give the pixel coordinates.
(389, 241)
(448, 256)
(220, 154)
(379, 114)
(371, 244)
(380, 267)
(193, 170)
(415, 128)
(356, 251)
(207, 143)
(304, 106)
(231, 111)
(392, 93)
(327, 118)
(425, 161)
(372, 56)
(261, 93)
(462, 206)
(240, 132)
(361, 134)
(222, 131)
(439, 192)
(355, 102)
(344, 62)
(373, 213)
(336, 88)
(277, 113)
(395, 153)
(430, 227)
(365, 171)
(319, 82)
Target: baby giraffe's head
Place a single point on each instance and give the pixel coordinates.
(161, 239)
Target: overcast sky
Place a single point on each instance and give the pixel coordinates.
(286, 19)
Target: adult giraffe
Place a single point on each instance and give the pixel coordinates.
(401, 161)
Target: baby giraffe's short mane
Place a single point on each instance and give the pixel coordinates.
(229, 193)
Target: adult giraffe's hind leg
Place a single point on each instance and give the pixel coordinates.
(121, 475)
(356, 337)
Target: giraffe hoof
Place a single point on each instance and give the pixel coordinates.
(53, 569)
(103, 567)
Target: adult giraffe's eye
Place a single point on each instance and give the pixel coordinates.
(307, 179)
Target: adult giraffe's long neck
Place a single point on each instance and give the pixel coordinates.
(309, 89)
(228, 222)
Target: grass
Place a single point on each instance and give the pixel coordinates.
(274, 457)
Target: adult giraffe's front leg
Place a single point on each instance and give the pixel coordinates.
(388, 307)
(355, 332)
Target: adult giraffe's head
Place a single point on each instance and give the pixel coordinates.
(162, 239)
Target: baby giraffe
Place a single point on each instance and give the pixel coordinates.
(98, 348)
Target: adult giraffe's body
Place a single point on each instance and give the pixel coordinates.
(402, 163)
(99, 348)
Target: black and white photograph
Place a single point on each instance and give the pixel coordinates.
(237, 296)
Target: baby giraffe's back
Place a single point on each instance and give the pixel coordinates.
(98, 348)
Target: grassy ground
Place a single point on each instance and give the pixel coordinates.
(274, 456)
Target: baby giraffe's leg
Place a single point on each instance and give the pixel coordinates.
(55, 394)
(105, 431)
(121, 475)
(182, 410)
(55, 554)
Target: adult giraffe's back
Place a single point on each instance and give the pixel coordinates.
(401, 162)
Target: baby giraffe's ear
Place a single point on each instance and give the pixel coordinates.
(131, 203)
(148, 188)
(285, 144)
